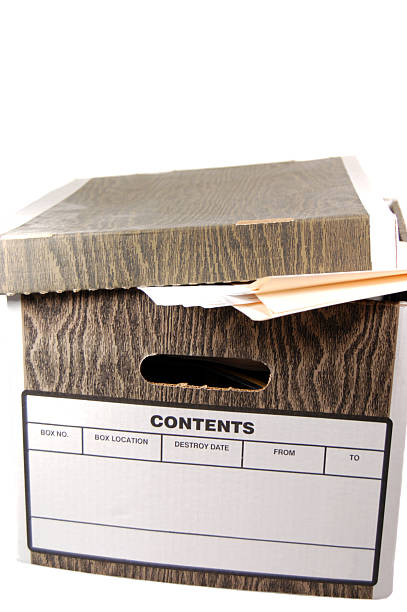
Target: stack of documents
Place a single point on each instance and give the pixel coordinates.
(275, 296)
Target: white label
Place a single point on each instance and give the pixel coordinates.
(295, 496)
(202, 451)
(121, 444)
(354, 462)
(285, 457)
(55, 438)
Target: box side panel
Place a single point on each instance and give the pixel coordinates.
(398, 415)
(15, 363)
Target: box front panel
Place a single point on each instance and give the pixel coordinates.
(194, 522)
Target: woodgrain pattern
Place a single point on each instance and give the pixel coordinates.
(335, 360)
(194, 226)
(208, 579)
(396, 209)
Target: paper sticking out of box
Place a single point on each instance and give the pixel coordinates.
(276, 296)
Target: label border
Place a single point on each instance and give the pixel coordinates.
(209, 407)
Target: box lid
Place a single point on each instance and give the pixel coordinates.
(194, 226)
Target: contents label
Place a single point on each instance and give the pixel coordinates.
(245, 492)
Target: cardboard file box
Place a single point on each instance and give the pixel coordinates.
(196, 446)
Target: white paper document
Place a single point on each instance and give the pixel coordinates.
(276, 296)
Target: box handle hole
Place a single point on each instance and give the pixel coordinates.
(208, 372)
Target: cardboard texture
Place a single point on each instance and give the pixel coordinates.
(194, 226)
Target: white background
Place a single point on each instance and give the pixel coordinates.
(93, 88)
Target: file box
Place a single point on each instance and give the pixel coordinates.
(194, 445)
